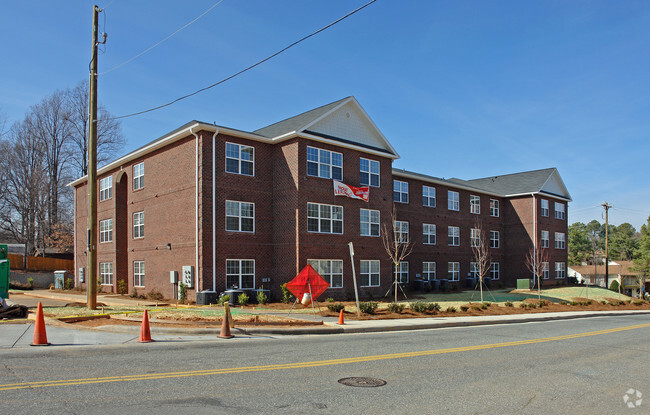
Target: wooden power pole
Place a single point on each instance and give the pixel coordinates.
(606, 206)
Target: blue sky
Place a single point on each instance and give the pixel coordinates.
(463, 89)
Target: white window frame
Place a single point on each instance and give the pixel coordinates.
(369, 222)
(325, 169)
(401, 272)
(545, 271)
(428, 270)
(428, 234)
(453, 271)
(106, 230)
(239, 159)
(400, 191)
(105, 188)
(560, 212)
(495, 269)
(474, 237)
(401, 231)
(138, 225)
(239, 273)
(106, 273)
(371, 172)
(544, 207)
(545, 239)
(322, 218)
(475, 204)
(369, 271)
(325, 267)
(453, 236)
(494, 239)
(138, 273)
(473, 269)
(494, 208)
(428, 196)
(138, 176)
(560, 270)
(239, 206)
(560, 240)
(453, 200)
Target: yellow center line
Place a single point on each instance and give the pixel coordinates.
(299, 365)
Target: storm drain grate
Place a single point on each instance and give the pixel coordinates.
(362, 382)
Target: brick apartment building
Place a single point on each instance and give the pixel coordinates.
(224, 207)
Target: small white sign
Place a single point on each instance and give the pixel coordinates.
(188, 276)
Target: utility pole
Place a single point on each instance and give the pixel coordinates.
(606, 206)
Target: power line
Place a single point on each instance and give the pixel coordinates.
(586, 208)
(165, 39)
(249, 67)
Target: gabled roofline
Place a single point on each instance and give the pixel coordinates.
(557, 173)
(443, 182)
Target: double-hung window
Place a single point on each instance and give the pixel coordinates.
(324, 218)
(240, 273)
(240, 159)
(474, 237)
(474, 204)
(429, 271)
(106, 273)
(240, 216)
(324, 163)
(330, 269)
(559, 211)
(560, 270)
(138, 176)
(401, 231)
(453, 270)
(452, 200)
(545, 239)
(473, 269)
(453, 236)
(544, 207)
(494, 270)
(401, 272)
(138, 273)
(400, 191)
(428, 196)
(106, 188)
(138, 225)
(494, 239)
(369, 172)
(560, 242)
(369, 222)
(428, 234)
(494, 208)
(369, 272)
(545, 273)
(106, 230)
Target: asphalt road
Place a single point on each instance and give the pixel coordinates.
(573, 366)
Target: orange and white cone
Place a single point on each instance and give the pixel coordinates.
(225, 324)
(341, 319)
(145, 333)
(40, 337)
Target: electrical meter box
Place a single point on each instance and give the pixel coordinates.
(173, 277)
(188, 276)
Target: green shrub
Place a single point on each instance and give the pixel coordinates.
(396, 308)
(487, 303)
(243, 299)
(224, 299)
(433, 307)
(484, 306)
(418, 306)
(563, 303)
(287, 297)
(509, 304)
(330, 300)
(477, 307)
(523, 305)
(69, 283)
(639, 302)
(336, 307)
(451, 309)
(369, 307)
(182, 292)
(30, 282)
(614, 286)
(604, 302)
(261, 297)
(121, 287)
(541, 303)
(464, 308)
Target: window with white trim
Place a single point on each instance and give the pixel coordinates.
(401, 231)
(544, 205)
(560, 270)
(474, 237)
(240, 159)
(494, 239)
(369, 272)
(324, 218)
(138, 225)
(106, 230)
(240, 216)
(106, 273)
(106, 188)
(400, 191)
(453, 200)
(428, 196)
(369, 172)
(369, 222)
(545, 273)
(138, 273)
(494, 270)
(330, 269)
(138, 176)
(453, 236)
(240, 273)
(453, 271)
(560, 241)
(494, 208)
(401, 272)
(428, 234)
(545, 239)
(429, 271)
(324, 163)
(560, 213)
(474, 204)
(473, 269)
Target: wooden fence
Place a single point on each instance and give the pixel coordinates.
(40, 264)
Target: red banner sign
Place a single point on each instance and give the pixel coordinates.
(342, 189)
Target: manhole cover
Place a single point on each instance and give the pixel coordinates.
(362, 382)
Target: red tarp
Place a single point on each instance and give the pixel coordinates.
(300, 284)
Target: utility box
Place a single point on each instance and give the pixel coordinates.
(59, 279)
(523, 284)
(4, 272)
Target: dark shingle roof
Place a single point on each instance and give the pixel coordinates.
(511, 184)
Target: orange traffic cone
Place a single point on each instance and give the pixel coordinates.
(40, 337)
(341, 321)
(145, 333)
(225, 324)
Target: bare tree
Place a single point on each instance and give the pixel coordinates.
(398, 245)
(481, 253)
(536, 262)
(109, 133)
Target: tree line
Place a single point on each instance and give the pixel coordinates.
(39, 155)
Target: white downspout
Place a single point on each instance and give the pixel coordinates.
(214, 212)
(197, 210)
